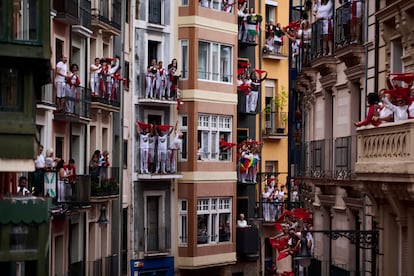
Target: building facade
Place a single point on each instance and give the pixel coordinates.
(352, 177)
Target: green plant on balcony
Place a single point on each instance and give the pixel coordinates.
(111, 184)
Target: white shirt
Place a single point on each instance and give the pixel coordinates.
(162, 143)
(40, 162)
(400, 112)
(176, 143)
(95, 70)
(144, 141)
(60, 69)
(242, 223)
(325, 11)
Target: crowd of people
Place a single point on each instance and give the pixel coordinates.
(222, 5)
(393, 104)
(248, 158)
(156, 155)
(105, 78)
(249, 81)
(294, 238)
(160, 82)
(52, 177)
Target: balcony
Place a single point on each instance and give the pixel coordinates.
(85, 19)
(385, 152)
(271, 52)
(247, 242)
(170, 172)
(158, 241)
(67, 11)
(77, 108)
(103, 20)
(249, 29)
(330, 159)
(105, 182)
(275, 126)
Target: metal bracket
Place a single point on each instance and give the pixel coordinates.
(367, 239)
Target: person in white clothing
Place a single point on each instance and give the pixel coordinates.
(400, 108)
(94, 81)
(22, 188)
(204, 3)
(325, 15)
(60, 80)
(160, 81)
(175, 148)
(162, 148)
(143, 146)
(241, 222)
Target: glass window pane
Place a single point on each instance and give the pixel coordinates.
(215, 64)
(202, 232)
(225, 63)
(184, 59)
(152, 223)
(11, 90)
(25, 20)
(203, 58)
(225, 228)
(154, 11)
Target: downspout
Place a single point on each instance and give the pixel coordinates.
(121, 138)
(261, 248)
(366, 88)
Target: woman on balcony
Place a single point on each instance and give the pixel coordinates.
(72, 84)
(324, 15)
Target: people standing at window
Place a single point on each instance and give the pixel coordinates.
(60, 81)
(324, 15)
(94, 75)
(171, 84)
(150, 78)
(71, 93)
(162, 147)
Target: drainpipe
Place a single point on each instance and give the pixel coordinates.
(261, 254)
(121, 139)
(364, 220)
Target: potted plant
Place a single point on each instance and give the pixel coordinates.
(280, 101)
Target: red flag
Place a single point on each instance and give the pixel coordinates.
(278, 227)
(295, 25)
(260, 71)
(143, 125)
(164, 127)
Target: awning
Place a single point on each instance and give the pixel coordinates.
(17, 210)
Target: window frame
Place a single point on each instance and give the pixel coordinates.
(210, 127)
(162, 238)
(183, 229)
(162, 12)
(184, 130)
(184, 59)
(214, 67)
(212, 209)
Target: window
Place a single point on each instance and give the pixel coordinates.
(397, 51)
(184, 2)
(211, 130)
(25, 19)
(271, 8)
(184, 130)
(155, 12)
(156, 239)
(183, 221)
(214, 62)
(152, 50)
(213, 220)
(11, 90)
(184, 59)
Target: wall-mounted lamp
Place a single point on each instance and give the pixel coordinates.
(103, 220)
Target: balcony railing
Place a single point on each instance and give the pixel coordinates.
(67, 10)
(85, 14)
(347, 28)
(158, 240)
(329, 158)
(249, 29)
(105, 182)
(386, 149)
(116, 14)
(157, 169)
(76, 105)
(247, 242)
